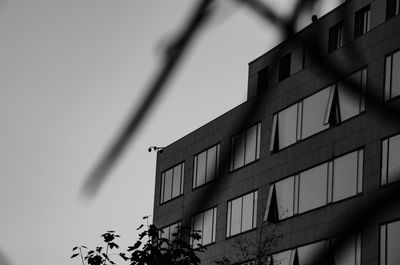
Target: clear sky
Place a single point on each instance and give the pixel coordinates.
(71, 71)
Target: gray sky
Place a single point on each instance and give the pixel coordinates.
(70, 73)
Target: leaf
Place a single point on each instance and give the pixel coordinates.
(74, 255)
(112, 245)
(75, 248)
(140, 226)
(122, 255)
(84, 247)
(111, 231)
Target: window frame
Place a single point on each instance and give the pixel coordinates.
(394, 11)
(195, 165)
(233, 147)
(384, 180)
(335, 33)
(328, 240)
(162, 184)
(254, 216)
(214, 225)
(329, 199)
(389, 97)
(384, 226)
(284, 67)
(179, 223)
(274, 147)
(360, 28)
(263, 76)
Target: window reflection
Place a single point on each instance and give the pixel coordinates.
(348, 253)
(390, 156)
(284, 196)
(328, 107)
(329, 182)
(314, 108)
(345, 176)
(206, 165)
(172, 183)
(392, 78)
(171, 232)
(242, 214)
(245, 147)
(313, 188)
(312, 254)
(389, 243)
(205, 224)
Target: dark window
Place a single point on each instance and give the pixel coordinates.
(172, 182)
(362, 21)
(284, 67)
(245, 147)
(242, 214)
(206, 165)
(262, 80)
(392, 8)
(392, 78)
(335, 37)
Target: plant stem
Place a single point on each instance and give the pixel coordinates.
(80, 250)
(105, 260)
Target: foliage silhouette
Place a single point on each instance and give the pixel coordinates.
(150, 249)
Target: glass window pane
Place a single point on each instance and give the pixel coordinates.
(255, 209)
(284, 196)
(287, 126)
(214, 228)
(211, 163)
(382, 245)
(349, 102)
(239, 143)
(197, 227)
(393, 242)
(396, 74)
(258, 140)
(167, 185)
(384, 162)
(346, 254)
(314, 108)
(173, 231)
(283, 258)
(345, 176)
(176, 189)
(312, 188)
(236, 212)
(229, 219)
(388, 71)
(165, 232)
(394, 156)
(309, 254)
(162, 187)
(201, 169)
(251, 141)
(247, 216)
(208, 226)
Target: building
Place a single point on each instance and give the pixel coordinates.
(313, 150)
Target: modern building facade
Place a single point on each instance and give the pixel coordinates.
(308, 147)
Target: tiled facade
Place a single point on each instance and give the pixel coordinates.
(263, 166)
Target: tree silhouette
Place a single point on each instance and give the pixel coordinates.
(150, 249)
